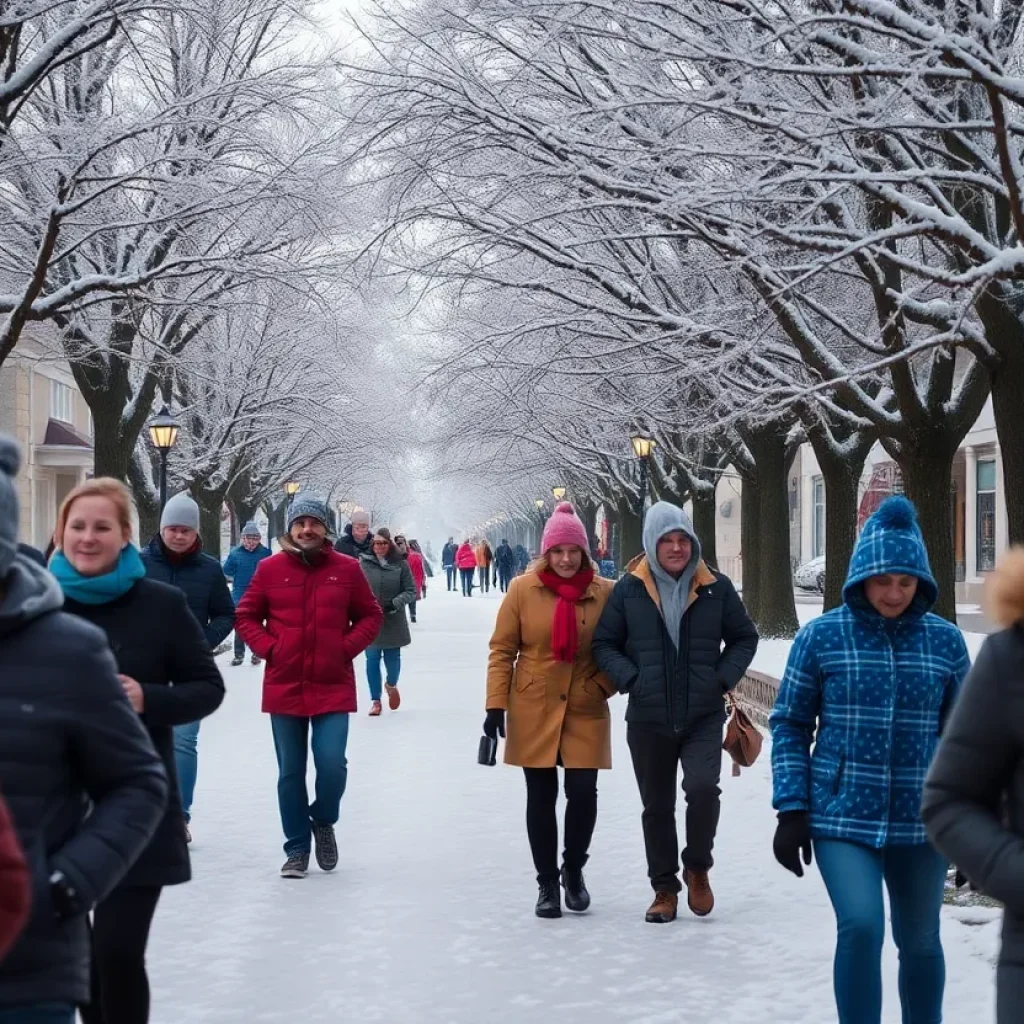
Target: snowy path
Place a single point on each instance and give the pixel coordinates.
(429, 917)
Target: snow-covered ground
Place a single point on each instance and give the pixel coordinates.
(429, 918)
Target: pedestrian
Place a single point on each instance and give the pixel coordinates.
(466, 561)
(451, 570)
(84, 786)
(974, 794)
(522, 559)
(676, 637)
(240, 567)
(484, 558)
(15, 885)
(505, 562)
(309, 613)
(168, 673)
(410, 550)
(175, 556)
(545, 689)
(355, 541)
(391, 581)
(870, 685)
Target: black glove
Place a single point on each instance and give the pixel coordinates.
(389, 606)
(494, 723)
(793, 837)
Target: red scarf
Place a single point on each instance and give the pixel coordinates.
(564, 636)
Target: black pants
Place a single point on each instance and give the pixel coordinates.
(485, 578)
(542, 821)
(504, 579)
(656, 761)
(120, 931)
(412, 610)
(467, 581)
(452, 573)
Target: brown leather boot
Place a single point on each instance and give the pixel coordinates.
(664, 907)
(700, 898)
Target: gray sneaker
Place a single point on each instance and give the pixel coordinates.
(295, 866)
(326, 846)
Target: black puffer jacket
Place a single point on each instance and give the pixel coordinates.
(671, 689)
(974, 797)
(201, 579)
(68, 736)
(346, 544)
(158, 642)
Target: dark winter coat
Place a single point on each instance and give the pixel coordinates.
(669, 689)
(157, 642)
(200, 578)
(83, 783)
(309, 620)
(391, 584)
(348, 545)
(34, 553)
(448, 554)
(522, 558)
(15, 883)
(974, 794)
(240, 567)
(505, 559)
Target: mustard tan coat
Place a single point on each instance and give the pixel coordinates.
(552, 707)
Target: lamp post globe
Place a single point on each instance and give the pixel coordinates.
(642, 448)
(163, 433)
(558, 492)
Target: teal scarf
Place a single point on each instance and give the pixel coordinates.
(98, 589)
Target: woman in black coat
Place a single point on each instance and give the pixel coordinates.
(974, 795)
(169, 676)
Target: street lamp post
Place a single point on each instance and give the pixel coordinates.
(558, 492)
(163, 432)
(642, 446)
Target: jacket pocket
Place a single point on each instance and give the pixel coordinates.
(524, 680)
(826, 781)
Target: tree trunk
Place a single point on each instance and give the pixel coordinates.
(588, 514)
(927, 474)
(631, 542)
(209, 523)
(842, 491)
(704, 523)
(775, 602)
(1007, 389)
(750, 510)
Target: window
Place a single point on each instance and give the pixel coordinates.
(62, 401)
(986, 508)
(818, 523)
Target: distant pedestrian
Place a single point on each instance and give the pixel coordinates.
(355, 541)
(676, 637)
(870, 684)
(505, 562)
(522, 559)
(83, 784)
(542, 675)
(15, 884)
(391, 581)
(410, 550)
(974, 793)
(309, 612)
(240, 567)
(176, 556)
(466, 561)
(451, 570)
(168, 673)
(484, 560)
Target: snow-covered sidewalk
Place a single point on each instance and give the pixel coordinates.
(429, 918)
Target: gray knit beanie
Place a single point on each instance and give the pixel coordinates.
(251, 530)
(306, 503)
(181, 510)
(10, 460)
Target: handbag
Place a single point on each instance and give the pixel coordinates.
(487, 751)
(743, 740)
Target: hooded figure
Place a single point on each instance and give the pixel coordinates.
(870, 684)
(675, 637)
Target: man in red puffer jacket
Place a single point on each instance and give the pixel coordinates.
(308, 613)
(14, 884)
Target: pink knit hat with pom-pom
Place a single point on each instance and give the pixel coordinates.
(564, 527)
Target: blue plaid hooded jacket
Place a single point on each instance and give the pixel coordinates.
(871, 694)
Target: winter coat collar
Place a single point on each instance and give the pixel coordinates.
(641, 569)
(313, 560)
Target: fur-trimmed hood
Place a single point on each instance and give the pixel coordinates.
(1004, 594)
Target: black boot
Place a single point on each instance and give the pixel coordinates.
(576, 896)
(549, 900)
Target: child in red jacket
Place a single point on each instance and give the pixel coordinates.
(14, 884)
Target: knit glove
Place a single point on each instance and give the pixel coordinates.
(388, 606)
(793, 838)
(494, 723)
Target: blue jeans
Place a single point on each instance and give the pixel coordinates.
(330, 739)
(38, 1013)
(915, 877)
(392, 664)
(452, 574)
(186, 760)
